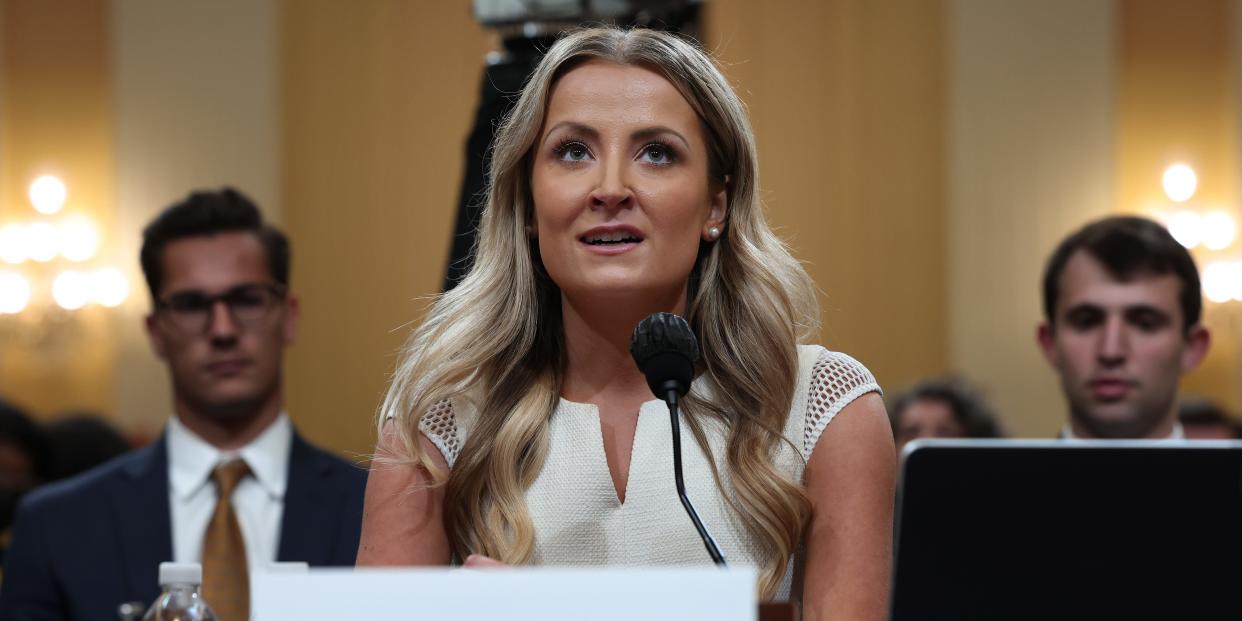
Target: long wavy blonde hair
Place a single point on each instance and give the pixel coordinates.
(495, 342)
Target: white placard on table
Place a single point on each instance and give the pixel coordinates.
(518, 594)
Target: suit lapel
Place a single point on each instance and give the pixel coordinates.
(312, 507)
(141, 510)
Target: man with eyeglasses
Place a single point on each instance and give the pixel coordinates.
(230, 483)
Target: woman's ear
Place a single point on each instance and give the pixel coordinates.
(718, 210)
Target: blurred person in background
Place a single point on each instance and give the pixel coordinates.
(25, 462)
(80, 441)
(1202, 419)
(1122, 325)
(942, 408)
(230, 483)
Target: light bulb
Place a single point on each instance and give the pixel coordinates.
(71, 290)
(47, 194)
(1180, 183)
(78, 239)
(1186, 227)
(1219, 230)
(1220, 279)
(1236, 285)
(109, 287)
(43, 240)
(14, 244)
(14, 293)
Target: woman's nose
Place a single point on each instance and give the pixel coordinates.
(611, 190)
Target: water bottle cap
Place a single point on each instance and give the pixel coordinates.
(180, 573)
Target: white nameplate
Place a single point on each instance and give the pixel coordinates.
(535, 594)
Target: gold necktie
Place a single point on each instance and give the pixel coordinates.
(226, 580)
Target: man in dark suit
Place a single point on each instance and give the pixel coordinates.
(229, 483)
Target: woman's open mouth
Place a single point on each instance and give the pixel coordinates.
(611, 240)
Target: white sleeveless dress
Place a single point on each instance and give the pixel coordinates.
(574, 507)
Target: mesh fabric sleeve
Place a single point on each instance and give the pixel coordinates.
(836, 381)
(439, 424)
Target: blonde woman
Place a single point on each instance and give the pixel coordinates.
(518, 429)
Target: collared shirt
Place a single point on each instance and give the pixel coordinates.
(1178, 433)
(258, 500)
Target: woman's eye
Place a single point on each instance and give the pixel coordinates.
(657, 154)
(573, 152)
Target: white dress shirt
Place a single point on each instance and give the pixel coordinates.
(258, 500)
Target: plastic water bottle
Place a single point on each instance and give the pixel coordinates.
(179, 599)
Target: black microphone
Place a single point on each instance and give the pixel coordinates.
(665, 350)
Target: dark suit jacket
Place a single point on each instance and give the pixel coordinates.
(83, 546)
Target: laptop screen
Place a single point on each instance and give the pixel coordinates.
(1009, 529)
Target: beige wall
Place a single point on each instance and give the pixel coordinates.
(378, 100)
(921, 157)
(196, 105)
(847, 101)
(1031, 140)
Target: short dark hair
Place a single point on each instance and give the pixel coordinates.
(969, 408)
(208, 212)
(1126, 246)
(81, 440)
(1200, 411)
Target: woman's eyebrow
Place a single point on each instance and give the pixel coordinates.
(648, 133)
(575, 127)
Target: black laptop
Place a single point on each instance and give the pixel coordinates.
(1012, 529)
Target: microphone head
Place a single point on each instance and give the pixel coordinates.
(665, 349)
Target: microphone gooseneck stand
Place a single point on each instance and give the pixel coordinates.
(670, 397)
(665, 349)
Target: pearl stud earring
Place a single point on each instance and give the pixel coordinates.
(713, 233)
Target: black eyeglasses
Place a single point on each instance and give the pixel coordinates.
(191, 311)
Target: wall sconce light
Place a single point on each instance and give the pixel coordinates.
(1210, 231)
(45, 268)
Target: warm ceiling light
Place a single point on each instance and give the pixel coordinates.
(1180, 183)
(47, 194)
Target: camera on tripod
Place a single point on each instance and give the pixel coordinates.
(535, 19)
